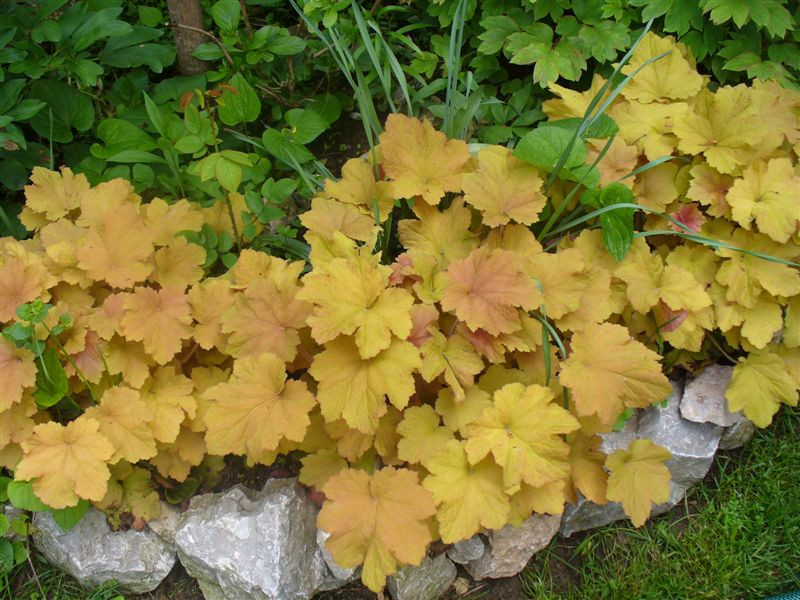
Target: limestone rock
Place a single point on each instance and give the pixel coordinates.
(428, 581)
(466, 550)
(620, 440)
(164, 527)
(588, 515)
(692, 445)
(510, 548)
(256, 545)
(11, 513)
(738, 434)
(704, 397)
(94, 554)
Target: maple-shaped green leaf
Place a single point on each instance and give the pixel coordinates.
(605, 39)
(770, 14)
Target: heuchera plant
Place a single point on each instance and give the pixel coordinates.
(439, 370)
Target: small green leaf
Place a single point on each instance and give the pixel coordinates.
(21, 495)
(306, 125)
(226, 14)
(182, 491)
(68, 517)
(51, 380)
(229, 260)
(6, 555)
(543, 147)
(243, 106)
(228, 173)
(150, 16)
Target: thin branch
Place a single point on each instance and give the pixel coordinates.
(246, 20)
(210, 36)
(275, 96)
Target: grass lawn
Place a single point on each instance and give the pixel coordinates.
(735, 536)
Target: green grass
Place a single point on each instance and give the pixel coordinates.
(735, 536)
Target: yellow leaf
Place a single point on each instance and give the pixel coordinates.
(22, 279)
(106, 199)
(442, 234)
(257, 408)
(210, 299)
(128, 359)
(760, 383)
(352, 296)
(791, 328)
(16, 424)
(521, 430)
(328, 216)
(118, 249)
(586, 462)
(723, 126)
(423, 437)
(266, 318)
(177, 458)
(638, 478)
(767, 192)
(649, 126)
(55, 194)
(468, 496)
(179, 264)
(358, 187)
(546, 499)
(164, 220)
(320, 466)
(458, 415)
(66, 462)
(649, 281)
(350, 443)
(354, 388)
(123, 419)
(657, 188)
(455, 357)
(160, 319)
(710, 188)
(420, 161)
(617, 163)
(630, 373)
(671, 77)
(504, 188)
(17, 373)
(377, 520)
(168, 396)
(570, 103)
(563, 280)
(745, 276)
(485, 289)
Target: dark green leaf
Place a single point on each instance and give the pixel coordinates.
(150, 16)
(243, 106)
(306, 125)
(182, 491)
(6, 555)
(71, 110)
(226, 14)
(51, 380)
(543, 147)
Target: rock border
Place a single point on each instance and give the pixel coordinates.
(265, 544)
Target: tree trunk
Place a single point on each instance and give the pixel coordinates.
(186, 17)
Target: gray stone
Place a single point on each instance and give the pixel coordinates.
(620, 440)
(94, 554)
(738, 434)
(164, 527)
(510, 548)
(692, 445)
(704, 397)
(428, 581)
(256, 545)
(587, 515)
(12, 514)
(466, 550)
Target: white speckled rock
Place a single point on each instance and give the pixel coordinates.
(11, 513)
(704, 400)
(94, 554)
(255, 545)
(692, 445)
(466, 550)
(510, 548)
(428, 581)
(587, 515)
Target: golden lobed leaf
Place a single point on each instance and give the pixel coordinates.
(160, 319)
(760, 383)
(638, 478)
(378, 520)
(123, 419)
(66, 462)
